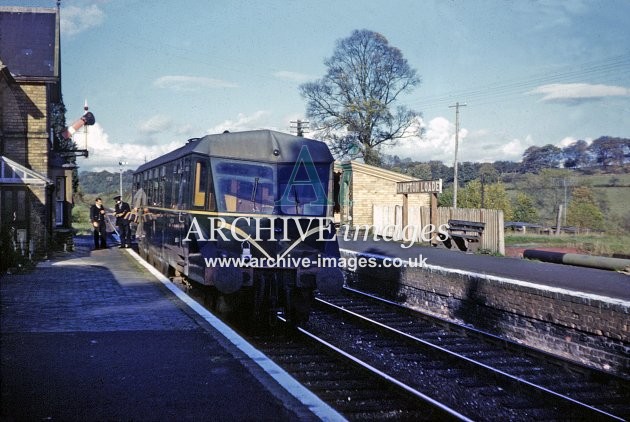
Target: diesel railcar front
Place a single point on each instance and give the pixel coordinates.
(248, 215)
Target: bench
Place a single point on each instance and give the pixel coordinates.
(466, 235)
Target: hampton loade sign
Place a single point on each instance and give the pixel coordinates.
(419, 186)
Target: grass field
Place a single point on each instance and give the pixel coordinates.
(592, 244)
(612, 191)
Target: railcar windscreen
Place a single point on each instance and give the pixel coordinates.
(244, 187)
(259, 188)
(302, 188)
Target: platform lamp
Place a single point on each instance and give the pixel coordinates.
(121, 164)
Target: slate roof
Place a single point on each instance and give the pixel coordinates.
(28, 42)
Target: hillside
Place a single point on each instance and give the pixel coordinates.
(105, 181)
(611, 191)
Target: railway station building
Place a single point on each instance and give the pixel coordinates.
(367, 198)
(363, 187)
(35, 179)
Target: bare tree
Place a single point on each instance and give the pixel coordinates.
(352, 104)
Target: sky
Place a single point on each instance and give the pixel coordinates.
(156, 73)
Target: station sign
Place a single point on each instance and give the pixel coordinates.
(419, 186)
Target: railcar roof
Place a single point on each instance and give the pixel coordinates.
(255, 145)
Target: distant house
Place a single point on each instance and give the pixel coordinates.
(35, 180)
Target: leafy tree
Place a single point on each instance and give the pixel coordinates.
(441, 171)
(547, 189)
(364, 79)
(468, 171)
(496, 198)
(524, 209)
(421, 171)
(576, 154)
(583, 210)
(445, 199)
(608, 150)
(470, 196)
(538, 158)
(489, 172)
(503, 167)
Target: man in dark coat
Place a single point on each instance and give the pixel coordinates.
(97, 217)
(121, 210)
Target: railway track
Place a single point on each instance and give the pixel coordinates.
(374, 360)
(354, 388)
(477, 375)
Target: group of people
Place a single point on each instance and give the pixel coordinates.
(97, 218)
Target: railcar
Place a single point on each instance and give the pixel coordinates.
(245, 215)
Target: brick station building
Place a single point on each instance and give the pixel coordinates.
(35, 179)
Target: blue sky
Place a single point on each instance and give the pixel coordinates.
(156, 73)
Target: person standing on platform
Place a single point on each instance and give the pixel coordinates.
(97, 217)
(121, 211)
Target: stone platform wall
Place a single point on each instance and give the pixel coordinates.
(590, 330)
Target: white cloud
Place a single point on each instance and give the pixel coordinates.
(156, 124)
(75, 20)
(161, 126)
(438, 142)
(243, 122)
(105, 155)
(512, 151)
(578, 92)
(292, 76)
(565, 142)
(191, 83)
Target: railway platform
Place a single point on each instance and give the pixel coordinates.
(593, 281)
(576, 313)
(95, 335)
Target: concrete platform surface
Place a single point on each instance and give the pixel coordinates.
(603, 283)
(93, 335)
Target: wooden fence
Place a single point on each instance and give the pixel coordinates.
(387, 221)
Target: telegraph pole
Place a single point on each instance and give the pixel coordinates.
(456, 106)
(301, 126)
(121, 164)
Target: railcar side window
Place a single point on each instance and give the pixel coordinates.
(244, 187)
(201, 184)
(183, 197)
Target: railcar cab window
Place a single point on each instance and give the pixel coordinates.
(302, 188)
(244, 187)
